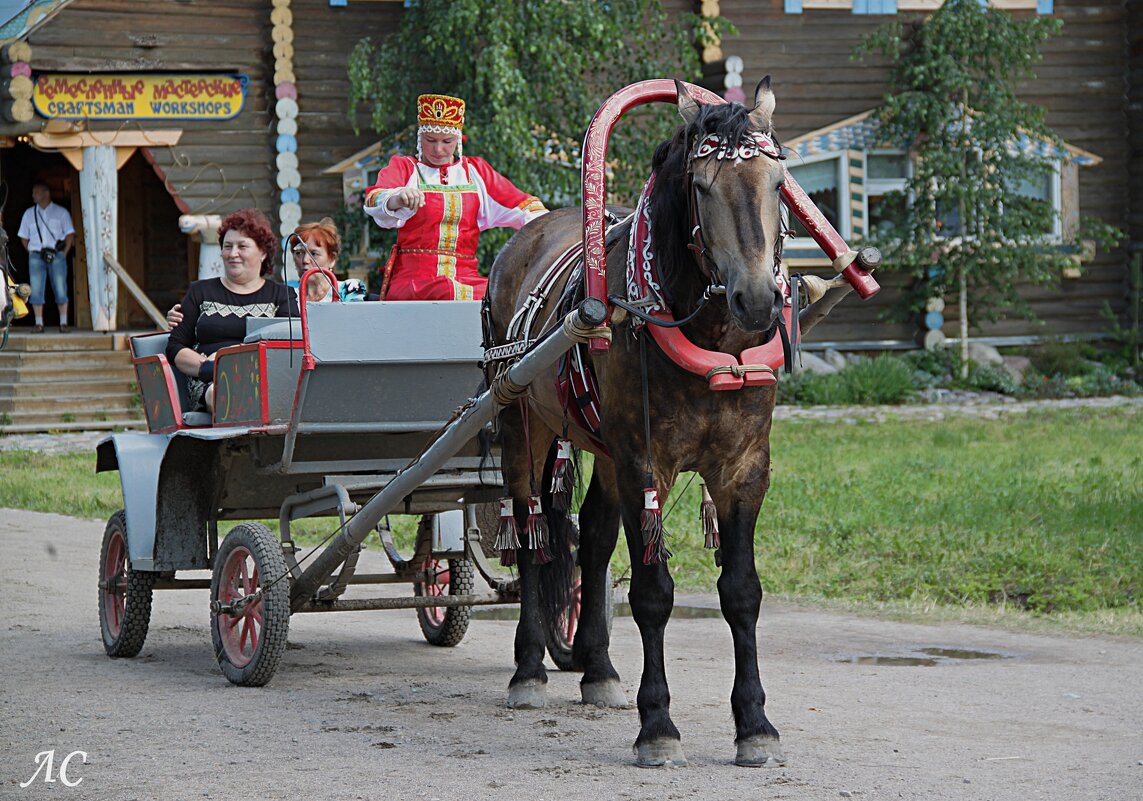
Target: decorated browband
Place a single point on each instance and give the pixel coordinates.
(749, 146)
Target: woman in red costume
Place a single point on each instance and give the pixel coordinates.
(440, 201)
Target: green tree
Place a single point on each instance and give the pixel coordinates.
(532, 74)
(970, 225)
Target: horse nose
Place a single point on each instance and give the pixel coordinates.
(753, 316)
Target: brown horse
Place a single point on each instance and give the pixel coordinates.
(723, 436)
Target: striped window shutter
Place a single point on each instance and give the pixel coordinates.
(856, 187)
(874, 6)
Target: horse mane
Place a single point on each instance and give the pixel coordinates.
(669, 206)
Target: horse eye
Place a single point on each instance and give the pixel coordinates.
(702, 190)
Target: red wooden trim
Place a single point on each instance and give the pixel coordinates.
(308, 360)
(828, 239)
(594, 181)
(594, 175)
(172, 392)
(234, 350)
(264, 380)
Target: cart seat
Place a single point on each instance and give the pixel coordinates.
(163, 388)
(265, 329)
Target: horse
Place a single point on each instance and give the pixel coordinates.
(716, 224)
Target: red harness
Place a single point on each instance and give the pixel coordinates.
(756, 366)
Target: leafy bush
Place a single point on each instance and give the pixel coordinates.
(992, 378)
(887, 379)
(1097, 381)
(1055, 356)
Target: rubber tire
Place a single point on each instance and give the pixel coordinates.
(559, 644)
(445, 626)
(133, 604)
(270, 616)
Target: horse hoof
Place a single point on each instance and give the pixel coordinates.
(661, 753)
(529, 694)
(603, 693)
(759, 751)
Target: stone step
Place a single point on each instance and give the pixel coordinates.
(24, 421)
(65, 387)
(64, 359)
(65, 374)
(120, 403)
(96, 425)
(22, 340)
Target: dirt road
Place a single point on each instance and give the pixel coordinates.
(362, 708)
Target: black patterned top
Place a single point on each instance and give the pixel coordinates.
(214, 317)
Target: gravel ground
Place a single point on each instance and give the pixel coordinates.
(362, 708)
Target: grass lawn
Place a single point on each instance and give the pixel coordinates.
(1039, 513)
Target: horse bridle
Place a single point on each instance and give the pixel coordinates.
(748, 147)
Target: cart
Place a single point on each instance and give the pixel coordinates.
(339, 413)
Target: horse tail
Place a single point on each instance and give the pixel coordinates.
(563, 537)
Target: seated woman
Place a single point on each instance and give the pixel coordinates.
(315, 245)
(318, 245)
(214, 311)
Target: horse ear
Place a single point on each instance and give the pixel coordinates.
(688, 106)
(763, 109)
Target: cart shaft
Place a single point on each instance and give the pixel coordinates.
(590, 314)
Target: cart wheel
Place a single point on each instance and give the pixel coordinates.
(445, 625)
(124, 594)
(249, 641)
(561, 631)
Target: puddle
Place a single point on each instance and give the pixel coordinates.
(955, 653)
(890, 661)
(621, 610)
(931, 658)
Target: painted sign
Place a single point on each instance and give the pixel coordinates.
(139, 96)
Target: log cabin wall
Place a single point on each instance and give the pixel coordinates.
(218, 166)
(1133, 32)
(1081, 82)
(323, 39)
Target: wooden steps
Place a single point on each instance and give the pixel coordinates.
(79, 381)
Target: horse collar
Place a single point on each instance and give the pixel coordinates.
(756, 366)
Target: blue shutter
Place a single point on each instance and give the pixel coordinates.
(793, 6)
(1044, 6)
(874, 6)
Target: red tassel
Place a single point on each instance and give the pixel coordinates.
(709, 517)
(537, 530)
(507, 534)
(561, 476)
(651, 524)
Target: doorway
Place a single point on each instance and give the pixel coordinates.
(151, 247)
(21, 166)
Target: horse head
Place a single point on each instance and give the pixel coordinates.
(722, 171)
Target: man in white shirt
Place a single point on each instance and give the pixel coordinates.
(48, 236)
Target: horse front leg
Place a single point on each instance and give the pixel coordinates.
(599, 530)
(652, 597)
(740, 596)
(528, 687)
